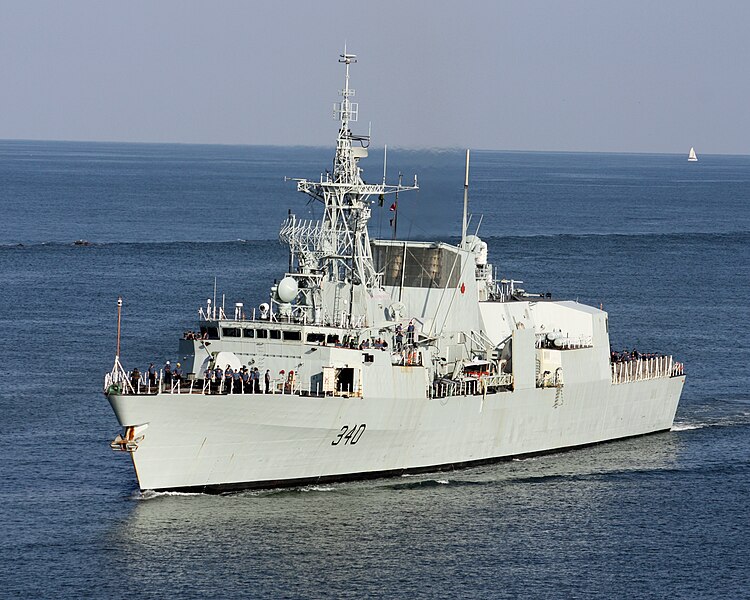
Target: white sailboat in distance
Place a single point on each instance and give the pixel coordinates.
(692, 157)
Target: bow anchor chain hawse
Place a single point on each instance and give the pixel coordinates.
(128, 443)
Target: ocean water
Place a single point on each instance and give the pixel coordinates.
(662, 244)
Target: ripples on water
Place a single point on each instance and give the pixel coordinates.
(665, 247)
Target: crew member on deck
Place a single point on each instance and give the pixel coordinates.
(167, 375)
(410, 333)
(151, 375)
(135, 377)
(228, 378)
(218, 377)
(177, 373)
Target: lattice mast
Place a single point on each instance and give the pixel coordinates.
(339, 244)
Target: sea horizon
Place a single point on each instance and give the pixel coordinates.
(379, 147)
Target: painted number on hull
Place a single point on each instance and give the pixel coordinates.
(349, 435)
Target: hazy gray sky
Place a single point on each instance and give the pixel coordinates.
(637, 76)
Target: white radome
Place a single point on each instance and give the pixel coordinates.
(287, 289)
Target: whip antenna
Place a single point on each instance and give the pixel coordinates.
(119, 316)
(466, 200)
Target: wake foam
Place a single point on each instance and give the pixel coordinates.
(688, 426)
(152, 495)
(316, 488)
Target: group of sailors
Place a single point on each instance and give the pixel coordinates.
(194, 335)
(628, 355)
(151, 375)
(227, 380)
(401, 341)
(399, 336)
(236, 381)
(351, 343)
(377, 343)
(249, 380)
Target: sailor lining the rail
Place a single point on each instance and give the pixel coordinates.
(410, 333)
(135, 378)
(399, 337)
(151, 375)
(218, 376)
(228, 375)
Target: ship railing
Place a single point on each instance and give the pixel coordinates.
(407, 357)
(483, 273)
(216, 387)
(226, 385)
(470, 386)
(642, 369)
(117, 380)
(143, 385)
(505, 289)
(499, 380)
(298, 316)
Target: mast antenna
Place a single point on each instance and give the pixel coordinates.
(339, 245)
(346, 110)
(395, 209)
(466, 200)
(213, 316)
(385, 160)
(119, 315)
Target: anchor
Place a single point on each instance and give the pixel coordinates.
(129, 443)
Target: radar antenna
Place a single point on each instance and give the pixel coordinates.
(340, 244)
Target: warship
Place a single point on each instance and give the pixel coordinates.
(378, 358)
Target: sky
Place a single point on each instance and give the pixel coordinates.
(636, 76)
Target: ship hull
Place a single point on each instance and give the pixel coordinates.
(216, 443)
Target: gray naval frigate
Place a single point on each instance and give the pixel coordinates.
(380, 358)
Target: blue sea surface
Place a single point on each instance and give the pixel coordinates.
(660, 243)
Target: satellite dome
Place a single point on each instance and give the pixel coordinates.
(287, 289)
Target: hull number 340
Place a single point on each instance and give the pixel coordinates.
(349, 435)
